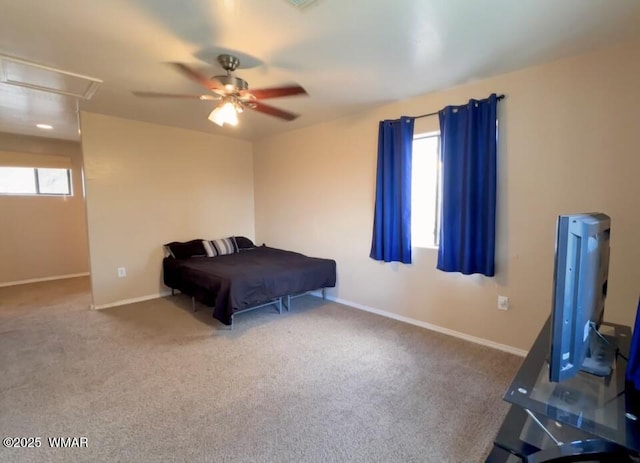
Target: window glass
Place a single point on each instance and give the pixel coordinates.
(53, 181)
(17, 180)
(425, 183)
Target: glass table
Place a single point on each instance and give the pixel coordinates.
(585, 418)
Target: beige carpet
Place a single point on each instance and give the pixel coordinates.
(154, 382)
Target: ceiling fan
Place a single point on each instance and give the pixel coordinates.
(233, 93)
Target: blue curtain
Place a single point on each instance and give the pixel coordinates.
(633, 364)
(468, 155)
(392, 221)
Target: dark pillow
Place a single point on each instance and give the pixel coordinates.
(187, 249)
(243, 243)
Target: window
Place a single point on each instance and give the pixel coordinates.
(53, 181)
(425, 191)
(34, 181)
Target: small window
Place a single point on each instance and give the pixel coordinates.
(425, 191)
(35, 181)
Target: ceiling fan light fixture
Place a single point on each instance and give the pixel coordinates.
(224, 113)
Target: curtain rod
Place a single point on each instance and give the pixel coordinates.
(499, 97)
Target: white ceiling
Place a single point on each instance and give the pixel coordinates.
(348, 54)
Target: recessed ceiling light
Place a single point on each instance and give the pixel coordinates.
(44, 126)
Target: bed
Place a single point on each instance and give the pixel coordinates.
(247, 279)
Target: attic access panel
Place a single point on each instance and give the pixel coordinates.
(21, 73)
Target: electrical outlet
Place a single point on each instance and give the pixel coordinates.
(122, 272)
(503, 303)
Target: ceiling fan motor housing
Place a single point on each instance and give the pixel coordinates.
(237, 83)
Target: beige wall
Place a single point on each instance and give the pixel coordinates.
(42, 236)
(569, 143)
(148, 185)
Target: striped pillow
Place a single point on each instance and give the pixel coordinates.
(224, 246)
(208, 248)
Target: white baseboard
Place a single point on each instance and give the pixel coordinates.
(38, 280)
(429, 326)
(133, 300)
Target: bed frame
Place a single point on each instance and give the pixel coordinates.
(278, 303)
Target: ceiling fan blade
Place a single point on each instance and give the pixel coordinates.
(197, 76)
(277, 92)
(175, 95)
(271, 111)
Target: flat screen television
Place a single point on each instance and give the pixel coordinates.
(579, 293)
